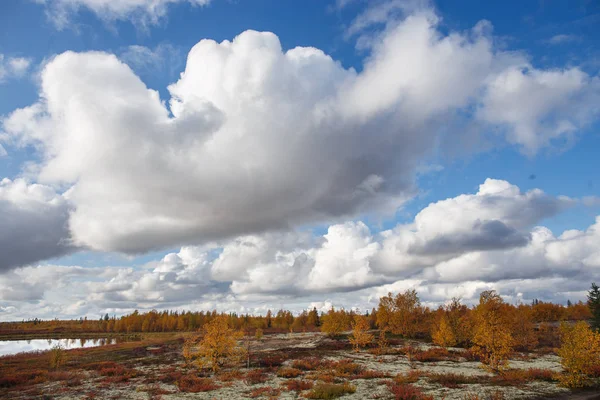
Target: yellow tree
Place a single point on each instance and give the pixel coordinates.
(442, 334)
(219, 345)
(335, 322)
(360, 335)
(579, 353)
(492, 339)
(400, 314)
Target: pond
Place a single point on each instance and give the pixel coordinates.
(8, 347)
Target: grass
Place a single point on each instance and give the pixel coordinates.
(330, 391)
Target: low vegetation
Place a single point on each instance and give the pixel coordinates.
(401, 350)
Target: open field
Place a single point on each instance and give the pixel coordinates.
(286, 366)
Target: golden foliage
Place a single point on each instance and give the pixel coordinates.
(360, 335)
(442, 334)
(334, 322)
(401, 314)
(579, 353)
(492, 339)
(218, 346)
(57, 356)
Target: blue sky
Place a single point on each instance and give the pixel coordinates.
(469, 143)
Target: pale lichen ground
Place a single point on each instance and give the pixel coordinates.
(391, 365)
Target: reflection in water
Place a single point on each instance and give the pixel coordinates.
(18, 346)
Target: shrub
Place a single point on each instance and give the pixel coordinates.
(307, 364)
(170, 375)
(330, 391)
(298, 385)
(258, 334)
(57, 357)
(346, 367)
(408, 392)
(579, 353)
(451, 380)
(272, 360)
(431, 355)
(230, 376)
(193, 384)
(409, 377)
(266, 391)
(288, 373)
(255, 376)
(369, 374)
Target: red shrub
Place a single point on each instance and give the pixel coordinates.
(408, 392)
(289, 373)
(264, 391)
(307, 364)
(255, 376)
(431, 355)
(298, 385)
(192, 384)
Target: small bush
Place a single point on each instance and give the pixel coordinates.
(229, 376)
(369, 374)
(451, 380)
(325, 376)
(298, 385)
(266, 391)
(330, 391)
(57, 357)
(432, 355)
(255, 376)
(272, 361)
(307, 364)
(289, 373)
(170, 375)
(344, 368)
(408, 392)
(409, 377)
(192, 384)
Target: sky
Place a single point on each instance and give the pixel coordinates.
(259, 154)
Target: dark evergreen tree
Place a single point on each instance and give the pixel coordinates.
(594, 305)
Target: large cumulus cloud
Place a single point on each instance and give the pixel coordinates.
(256, 138)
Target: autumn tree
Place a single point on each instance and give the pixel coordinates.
(219, 345)
(400, 314)
(523, 328)
(334, 322)
(442, 334)
(492, 338)
(360, 332)
(579, 353)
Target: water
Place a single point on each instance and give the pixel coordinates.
(18, 346)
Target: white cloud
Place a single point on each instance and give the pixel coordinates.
(257, 139)
(538, 106)
(33, 223)
(13, 67)
(144, 12)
